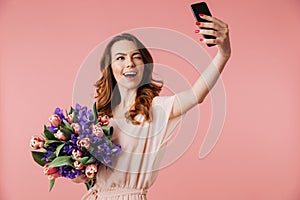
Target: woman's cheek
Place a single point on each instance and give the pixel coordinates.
(117, 72)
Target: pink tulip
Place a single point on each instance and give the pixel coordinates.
(97, 130)
(91, 170)
(50, 170)
(54, 176)
(104, 120)
(76, 154)
(37, 142)
(54, 120)
(78, 165)
(60, 135)
(75, 127)
(78, 142)
(70, 118)
(85, 143)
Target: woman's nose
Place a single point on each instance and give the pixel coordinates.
(129, 62)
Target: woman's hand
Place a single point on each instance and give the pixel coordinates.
(221, 32)
(80, 179)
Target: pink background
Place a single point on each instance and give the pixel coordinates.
(42, 45)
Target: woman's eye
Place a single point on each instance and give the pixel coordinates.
(121, 57)
(138, 57)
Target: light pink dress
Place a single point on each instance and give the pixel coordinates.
(136, 168)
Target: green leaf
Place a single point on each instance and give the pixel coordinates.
(87, 185)
(67, 133)
(51, 184)
(83, 160)
(37, 157)
(47, 143)
(108, 130)
(90, 161)
(48, 134)
(91, 149)
(90, 183)
(68, 126)
(58, 149)
(61, 161)
(71, 110)
(95, 113)
(52, 157)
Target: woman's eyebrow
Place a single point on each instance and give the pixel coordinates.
(137, 52)
(120, 54)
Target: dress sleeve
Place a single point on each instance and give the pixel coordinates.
(164, 126)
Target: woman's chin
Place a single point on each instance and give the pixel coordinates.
(130, 85)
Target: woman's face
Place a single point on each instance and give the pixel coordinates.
(127, 64)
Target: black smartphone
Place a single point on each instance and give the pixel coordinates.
(202, 8)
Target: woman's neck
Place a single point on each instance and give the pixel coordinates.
(127, 100)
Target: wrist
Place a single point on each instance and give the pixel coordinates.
(223, 57)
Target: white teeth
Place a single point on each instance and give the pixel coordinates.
(129, 73)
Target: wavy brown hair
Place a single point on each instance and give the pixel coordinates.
(107, 93)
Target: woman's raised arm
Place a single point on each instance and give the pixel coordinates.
(187, 99)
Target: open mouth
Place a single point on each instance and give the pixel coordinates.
(130, 74)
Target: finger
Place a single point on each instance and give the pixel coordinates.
(211, 41)
(223, 32)
(209, 32)
(214, 19)
(209, 25)
(219, 34)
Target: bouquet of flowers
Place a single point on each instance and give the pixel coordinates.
(74, 144)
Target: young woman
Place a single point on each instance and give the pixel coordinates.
(143, 121)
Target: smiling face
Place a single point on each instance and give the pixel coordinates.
(127, 64)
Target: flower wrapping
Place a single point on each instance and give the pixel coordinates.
(74, 144)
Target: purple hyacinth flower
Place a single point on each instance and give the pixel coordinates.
(60, 113)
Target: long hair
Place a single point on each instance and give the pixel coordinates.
(107, 93)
